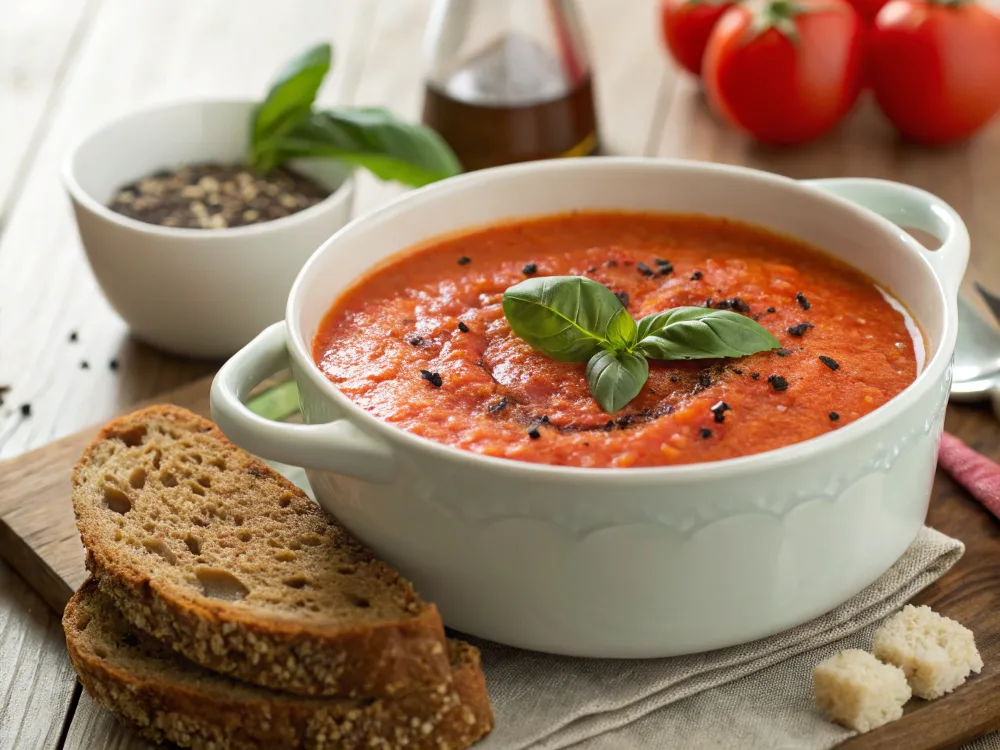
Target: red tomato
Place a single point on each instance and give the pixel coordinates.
(786, 71)
(687, 24)
(868, 9)
(935, 68)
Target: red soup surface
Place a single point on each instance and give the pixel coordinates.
(437, 308)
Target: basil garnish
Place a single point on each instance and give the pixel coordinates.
(565, 317)
(697, 333)
(576, 319)
(285, 126)
(616, 377)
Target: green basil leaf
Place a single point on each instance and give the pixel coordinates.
(615, 378)
(289, 100)
(699, 333)
(622, 330)
(565, 317)
(374, 139)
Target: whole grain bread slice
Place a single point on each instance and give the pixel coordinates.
(167, 698)
(208, 549)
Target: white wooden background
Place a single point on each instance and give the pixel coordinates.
(68, 65)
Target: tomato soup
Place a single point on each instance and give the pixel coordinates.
(422, 342)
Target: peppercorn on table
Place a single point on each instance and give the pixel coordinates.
(65, 358)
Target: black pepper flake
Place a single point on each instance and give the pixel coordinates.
(777, 382)
(462, 327)
(644, 269)
(783, 352)
(416, 341)
(704, 380)
(624, 422)
(665, 266)
(498, 406)
(674, 379)
(623, 298)
(834, 417)
(84, 365)
(534, 434)
(529, 269)
(464, 260)
(612, 264)
(737, 370)
(770, 309)
(707, 303)
(592, 269)
(586, 444)
(800, 328)
(74, 336)
(434, 378)
(830, 362)
(662, 262)
(609, 425)
(722, 304)
(706, 433)
(696, 276)
(739, 305)
(719, 410)
(25, 410)
(803, 302)
(754, 375)
(543, 419)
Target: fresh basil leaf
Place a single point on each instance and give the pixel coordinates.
(699, 333)
(374, 139)
(615, 378)
(289, 100)
(622, 330)
(565, 317)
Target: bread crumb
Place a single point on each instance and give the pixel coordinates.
(935, 653)
(858, 691)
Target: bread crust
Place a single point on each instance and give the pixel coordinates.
(373, 659)
(167, 699)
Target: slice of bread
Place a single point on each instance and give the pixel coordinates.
(206, 548)
(164, 697)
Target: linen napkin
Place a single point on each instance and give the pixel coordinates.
(754, 696)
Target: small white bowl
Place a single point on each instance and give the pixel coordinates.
(193, 292)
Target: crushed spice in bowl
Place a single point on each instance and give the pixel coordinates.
(216, 196)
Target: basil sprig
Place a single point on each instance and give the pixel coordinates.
(285, 126)
(576, 319)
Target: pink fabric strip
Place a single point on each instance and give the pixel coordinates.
(979, 475)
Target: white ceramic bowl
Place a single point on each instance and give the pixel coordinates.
(194, 292)
(629, 562)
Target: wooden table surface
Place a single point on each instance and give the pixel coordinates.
(68, 65)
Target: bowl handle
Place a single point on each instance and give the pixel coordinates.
(910, 207)
(336, 446)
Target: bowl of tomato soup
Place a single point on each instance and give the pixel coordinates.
(729, 498)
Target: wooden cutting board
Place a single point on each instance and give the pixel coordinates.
(38, 537)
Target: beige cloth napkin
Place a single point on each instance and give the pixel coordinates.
(760, 696)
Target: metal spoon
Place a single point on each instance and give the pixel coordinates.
(977, 353)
